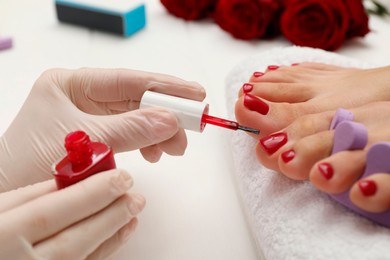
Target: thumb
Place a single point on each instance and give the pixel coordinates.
(138, 128)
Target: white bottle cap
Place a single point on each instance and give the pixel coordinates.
(188, 112)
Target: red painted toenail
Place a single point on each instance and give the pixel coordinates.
(367, 187)
(247, 87)
(288, 155)
(273, 142)
(255, 104)
(273, 67)
(326, 170)
(258, 74)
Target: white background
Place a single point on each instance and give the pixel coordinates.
(193, 206)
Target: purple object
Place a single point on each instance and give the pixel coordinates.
(5, 43)
(340, 116)
(350, 136)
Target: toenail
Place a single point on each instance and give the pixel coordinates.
(326, 170)
(295, 64)
(273, 67)
(247, 87)
(273, 142)
(288, 155)
(255, 104)
(258, 74)
(367, 187)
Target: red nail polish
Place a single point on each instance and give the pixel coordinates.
(273, 67)
(247, 87)
(255, 104)
(273, 142)
(258, 74)
(84, 158)
(367, 187)
(326, 170)
(295, 64)
(288, 155)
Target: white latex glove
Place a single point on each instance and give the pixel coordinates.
(101, 102)
(88, 220)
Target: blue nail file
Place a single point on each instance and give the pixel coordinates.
(123, 17)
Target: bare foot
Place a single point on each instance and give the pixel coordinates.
(272, 100)
(303, 150)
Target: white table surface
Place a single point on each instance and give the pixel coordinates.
(193, 206)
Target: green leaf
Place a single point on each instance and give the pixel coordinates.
(377, 9)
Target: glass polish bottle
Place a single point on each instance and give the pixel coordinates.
(84, 158)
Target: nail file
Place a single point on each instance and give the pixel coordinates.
(123, 17)
(351, 136)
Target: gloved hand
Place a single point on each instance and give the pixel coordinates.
(101, 102)
(89, 220)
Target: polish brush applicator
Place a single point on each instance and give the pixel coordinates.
(192, 115)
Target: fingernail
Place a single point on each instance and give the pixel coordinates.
(247, 87)
(136, 204)
(140, 200)
(273, 67)
(255, 104)
(273, 142)
(129, 229)
(326, 170)
(367, 187)
(122, 181)
(258, 74)
(288, 155)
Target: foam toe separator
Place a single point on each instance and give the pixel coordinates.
(351, 136)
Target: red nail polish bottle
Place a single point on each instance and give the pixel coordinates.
(84, 159)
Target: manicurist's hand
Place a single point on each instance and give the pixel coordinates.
(103, 103)
(88, 220)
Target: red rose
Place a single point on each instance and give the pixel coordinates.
(248, 19)
(189, 9)
(316, 23)
(358, 18)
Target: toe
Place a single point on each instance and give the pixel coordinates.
(296, 161)
(320, 66)
(337, 173)
(283, 92)
(372, 193)
(270, 117)
(283, 144)
(261, 114)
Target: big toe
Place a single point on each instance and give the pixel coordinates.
(265, 115)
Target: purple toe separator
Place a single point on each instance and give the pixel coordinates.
(340, 116)
(350, 136)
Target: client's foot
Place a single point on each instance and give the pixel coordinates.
(272, 100)
(303, 150)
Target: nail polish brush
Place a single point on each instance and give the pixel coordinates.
(192, 115)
